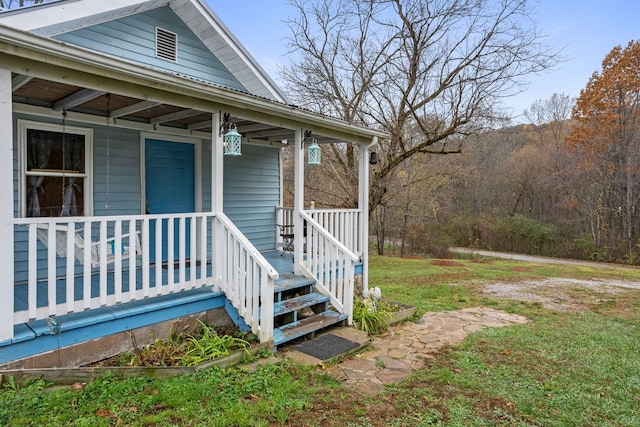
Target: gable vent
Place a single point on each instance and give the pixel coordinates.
(166, 44)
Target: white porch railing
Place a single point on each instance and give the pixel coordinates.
(331, 264)
(245, 276)
(105, 261)
(343, 224)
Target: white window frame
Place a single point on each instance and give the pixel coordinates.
(87, 190)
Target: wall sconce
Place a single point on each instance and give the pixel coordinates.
(232, 139)
(373, 158)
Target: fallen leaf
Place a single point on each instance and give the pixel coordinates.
(104, 413)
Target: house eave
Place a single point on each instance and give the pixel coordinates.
(29, 54)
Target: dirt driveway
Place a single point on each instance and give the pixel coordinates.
(565, 295)
(559, 294)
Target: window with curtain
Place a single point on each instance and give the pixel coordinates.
(55, 171)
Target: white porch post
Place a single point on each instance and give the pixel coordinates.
(363, 206)
(298, 202)
(217, 189)
(217, 165)
(6, 207)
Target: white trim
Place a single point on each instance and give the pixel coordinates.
(298, 202)
(197, 166)
(62, 16)
(6, 210)
(363, 206)
(235, 46)
(217, 164)
(81, 66)
(87, 191)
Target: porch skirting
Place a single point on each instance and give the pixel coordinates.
(36, 338)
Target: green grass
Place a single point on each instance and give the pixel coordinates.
(215, 397)
(560, 369)
(584, 373)
(434, 285)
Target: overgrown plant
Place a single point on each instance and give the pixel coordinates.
(184, 350)
(209, 345)
(371, 314)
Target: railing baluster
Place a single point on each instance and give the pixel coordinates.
(32, 285)
(70, 263)
(182, 251)
(86, 267)
(103, 262)
(170, 254)
(134, 241)
(117, 251)
(51, 270)
(159, 241)
(193, 252)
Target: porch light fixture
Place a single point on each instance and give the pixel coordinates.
(314, 153)
(373, 158)
(232, 142)
(232, 139)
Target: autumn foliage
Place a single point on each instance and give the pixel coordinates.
(607, 113)
(607, 109)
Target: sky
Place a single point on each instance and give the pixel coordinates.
(584, 30)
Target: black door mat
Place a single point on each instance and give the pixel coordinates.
(326, 346)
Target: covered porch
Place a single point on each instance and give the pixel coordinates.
(67, 272)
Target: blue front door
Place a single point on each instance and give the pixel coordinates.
(170, 187)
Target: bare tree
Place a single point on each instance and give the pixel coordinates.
(553, 113)
(437, 68)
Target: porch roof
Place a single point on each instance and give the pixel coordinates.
(52, 75)
(61, 16)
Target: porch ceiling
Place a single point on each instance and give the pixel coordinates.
(59, 96)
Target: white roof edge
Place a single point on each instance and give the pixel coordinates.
(39, 19)
(249, 60)
(32, 45)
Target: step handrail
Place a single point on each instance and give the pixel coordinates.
(245, 276)
(331, 264)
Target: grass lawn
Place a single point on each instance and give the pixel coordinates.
(564, 368)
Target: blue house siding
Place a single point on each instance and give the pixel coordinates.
(252, 191)
(124, 171)
(133, 38)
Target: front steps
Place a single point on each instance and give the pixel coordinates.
(300, 311)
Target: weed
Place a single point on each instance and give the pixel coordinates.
(209, 345)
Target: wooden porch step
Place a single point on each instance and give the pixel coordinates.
(292, 283)
(298, 303)
(306, 326)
